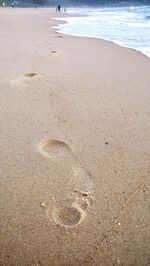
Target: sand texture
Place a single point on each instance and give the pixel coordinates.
(74, 147)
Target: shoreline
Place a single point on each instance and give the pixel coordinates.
(96, 37)
(74, 174)
(89, 36)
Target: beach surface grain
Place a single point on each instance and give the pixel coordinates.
(75, 147)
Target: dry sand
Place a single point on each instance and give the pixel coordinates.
(75, 147)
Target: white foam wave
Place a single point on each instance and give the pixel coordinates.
(127, 27)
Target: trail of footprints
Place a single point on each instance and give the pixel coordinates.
(79, 184)
(23, 79)
(69, 215)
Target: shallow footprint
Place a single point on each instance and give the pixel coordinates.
(30, 75)
(54, 149)
(70, 216)
(59, 36)
(23, 79)
(79, 187)
(67, 216)
(56, 53)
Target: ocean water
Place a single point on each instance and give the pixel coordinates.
(126, 26)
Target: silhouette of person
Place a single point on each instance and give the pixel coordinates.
(59, 8)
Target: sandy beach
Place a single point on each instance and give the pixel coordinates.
(75, 147)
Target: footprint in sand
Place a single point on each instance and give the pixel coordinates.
(56, 53)
(30, 75)
(22, 80)
(59, 36)
(80, 187)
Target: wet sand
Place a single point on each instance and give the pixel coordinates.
(75, 147)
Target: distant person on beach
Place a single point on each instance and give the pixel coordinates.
(59, 8)
(12, 4)
(3, 4)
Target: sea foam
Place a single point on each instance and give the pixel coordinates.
(126, 26)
